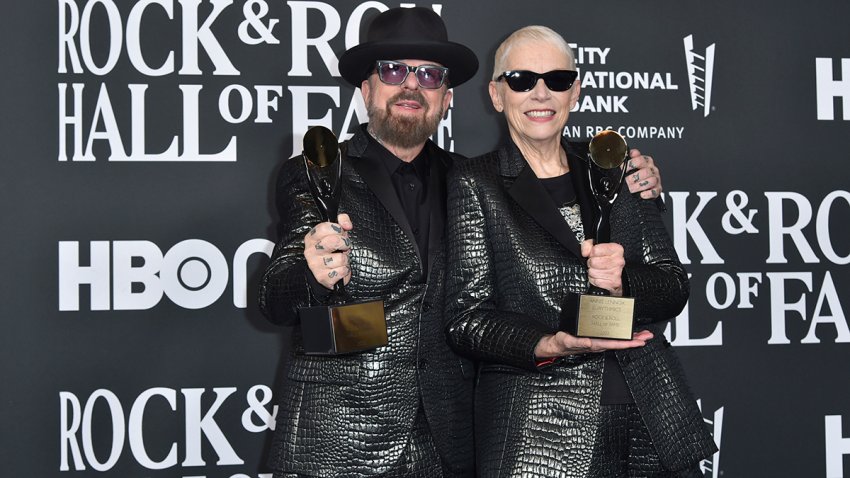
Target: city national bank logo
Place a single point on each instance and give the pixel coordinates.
(710, 467)
(831, 86)
(700, 73)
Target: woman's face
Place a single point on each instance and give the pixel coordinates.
(538, 115)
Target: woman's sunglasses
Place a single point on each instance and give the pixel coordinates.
(428, 76)
(525, 80)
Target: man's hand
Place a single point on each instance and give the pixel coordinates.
(326, 248)
(605, 264)
(643, 176)
(562, 344)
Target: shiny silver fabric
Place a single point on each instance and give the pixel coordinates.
(353, 416)
(623, 448)
(513, 263)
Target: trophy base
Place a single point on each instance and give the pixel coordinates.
(343, 329)
(601, 317)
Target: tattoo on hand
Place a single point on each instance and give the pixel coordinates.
(313, 231)
(320, 247)
(643, 183)
(632, 165)
(346, 241)
(328, 260)
(636, 177)
(336, 228)
(332, 274)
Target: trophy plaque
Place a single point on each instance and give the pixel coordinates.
(344, 326)
(599, 314)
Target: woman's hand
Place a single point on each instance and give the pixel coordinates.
(326, 248)
(562, 344)
(605, 264)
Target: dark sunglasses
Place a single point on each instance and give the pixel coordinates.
(525, 80)
(428, 76)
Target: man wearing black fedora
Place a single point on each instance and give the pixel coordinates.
(404, 409)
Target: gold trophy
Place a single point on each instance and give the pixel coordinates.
(343, 327)
(599, 314)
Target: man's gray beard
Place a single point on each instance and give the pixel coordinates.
(402, 131)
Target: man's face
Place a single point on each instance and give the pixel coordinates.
(404, 115)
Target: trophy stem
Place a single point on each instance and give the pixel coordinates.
(339, 290)
(603, 223)
(593, 290)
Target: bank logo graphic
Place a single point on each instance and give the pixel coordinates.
(710, 467)
(700, 72)
(829, 87)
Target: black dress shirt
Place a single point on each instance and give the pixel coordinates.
(410, 181)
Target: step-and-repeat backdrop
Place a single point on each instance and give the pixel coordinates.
(140, 139)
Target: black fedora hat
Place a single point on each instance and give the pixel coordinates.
(416, 33)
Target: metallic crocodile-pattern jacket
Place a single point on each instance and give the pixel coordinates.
(513, 262)
(352, 415)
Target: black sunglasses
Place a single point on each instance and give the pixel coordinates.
(428, 76)
(525, 80)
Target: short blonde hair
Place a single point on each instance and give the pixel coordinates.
(530, 33)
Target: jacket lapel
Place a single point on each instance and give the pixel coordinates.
(577, 160)
(533, 198)
(375, 176)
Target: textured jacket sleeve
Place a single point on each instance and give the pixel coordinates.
(284, 287)
(475, 326)
(653, 273)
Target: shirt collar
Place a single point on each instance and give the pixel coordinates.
(421, 163)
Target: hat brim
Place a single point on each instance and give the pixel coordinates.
(356, 64)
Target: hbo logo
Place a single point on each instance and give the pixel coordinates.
(134, 275)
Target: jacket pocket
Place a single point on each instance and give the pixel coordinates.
(335, 370)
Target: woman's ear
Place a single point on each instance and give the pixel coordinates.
(495, 96)
(575, 94)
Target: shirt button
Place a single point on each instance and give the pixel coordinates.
(411, 186)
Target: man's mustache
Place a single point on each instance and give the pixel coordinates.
(409, 96)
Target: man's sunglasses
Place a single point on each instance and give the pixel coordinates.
(428, 76)
(525, 80)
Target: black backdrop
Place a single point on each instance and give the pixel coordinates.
(139, 143)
